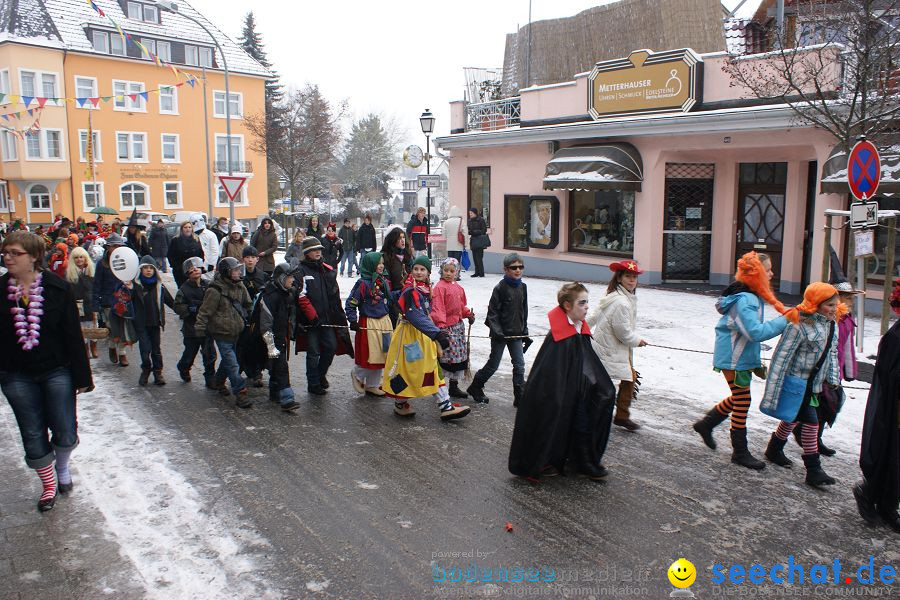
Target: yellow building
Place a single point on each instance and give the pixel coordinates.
(71, 66)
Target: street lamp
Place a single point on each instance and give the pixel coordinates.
(172, 7)
(427, 122)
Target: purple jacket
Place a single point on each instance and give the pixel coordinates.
(846, 351)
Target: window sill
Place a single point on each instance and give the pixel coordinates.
(612, 256)
(45, 159)
(232, 116)
(133, 162)
(46, 210)
(129, 110)
(170, 162)
(131, 208)
(174, 114)
(96, 160)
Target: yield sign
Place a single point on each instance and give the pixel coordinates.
(232, 185)
(863, 170)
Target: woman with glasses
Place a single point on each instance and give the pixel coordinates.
(39, 371)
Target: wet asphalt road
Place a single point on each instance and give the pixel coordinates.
(356, 503)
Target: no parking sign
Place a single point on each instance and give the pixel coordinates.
(863, 170)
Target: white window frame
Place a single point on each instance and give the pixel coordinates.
(32, 135)
(100, 193)
(219, 96)
(4, 82)
(127, 104)
(94, 92)
(167, 55)
(162, 148)
(59, 141)
(4, 196)
(208, 62)
(149, 45)
(35, 75)
(82, 147)
(166, 189)
(130, 138)
(196, 60)
(122, 49)
(29, 192)
(55, 90)
(138, 7)
(10, 145)
(123, 206)
(152, 9)
(44, 146)
(243, 199)
(224, 159)
(106, 49)
(38, 83)
(171, 91)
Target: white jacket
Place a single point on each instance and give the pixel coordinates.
(210, 244)
(613, 324)
(452, 226)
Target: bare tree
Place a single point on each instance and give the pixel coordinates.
(835, 62)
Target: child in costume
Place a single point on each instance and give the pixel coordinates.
(371, 296)
(188, 300)
(566, 410)
(150, 299)
(805, 346)
(274, 315)
(737, 351)
(448, 312)
(614, 331)
(411, 368)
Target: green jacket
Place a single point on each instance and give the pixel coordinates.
(219, 315)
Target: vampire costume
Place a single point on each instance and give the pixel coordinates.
(566, 410)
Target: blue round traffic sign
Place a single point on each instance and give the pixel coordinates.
(863, 170)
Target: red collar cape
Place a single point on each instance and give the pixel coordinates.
(560, 326)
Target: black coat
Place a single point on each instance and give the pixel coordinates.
(187, 304)
(417, 233)
(318, 232)
(320, 287)
(331, 252)
(478, 238)
(182, 248)
(84, 291)
(507, 312)
(159, 242)
(879, 456)
(255, 281)
(61, 344)
(365, 237)
(149, 304)
(566, 375)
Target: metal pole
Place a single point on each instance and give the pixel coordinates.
(888, 273)
(860, 301)
(826, 254)
(209, 179)
(427, 192)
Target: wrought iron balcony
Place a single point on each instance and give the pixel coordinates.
(237, 166)
(497, 114)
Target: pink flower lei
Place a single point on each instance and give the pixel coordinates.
(27, 320)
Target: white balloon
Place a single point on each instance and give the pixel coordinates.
(124, 263)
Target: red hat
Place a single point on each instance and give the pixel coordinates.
(629, 266)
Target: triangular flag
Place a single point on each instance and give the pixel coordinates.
(27, 100)
(13, 99)
(158, 61)
(30, 111)
(144, 95)
(106, 98)
(174, 69)
(5, 117)
(179, 84)
(95, 101)
(191, 81)
(81, 102)
(155, 92)
(41, 101)
(120, 98)
(133, 97)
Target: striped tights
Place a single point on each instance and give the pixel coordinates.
(737, 404)
(48, 480)
(809, 435)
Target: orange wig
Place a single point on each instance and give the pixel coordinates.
(752, 273)
(816, 293)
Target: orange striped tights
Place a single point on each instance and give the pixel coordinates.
(737, 404)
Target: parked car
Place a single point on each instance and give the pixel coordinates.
(153, 216)
(185, 215)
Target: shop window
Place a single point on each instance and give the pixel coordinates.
(515, 219)
(601, 222)
(764, 173)
(480, 192)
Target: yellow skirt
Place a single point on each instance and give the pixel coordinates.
(411, 369)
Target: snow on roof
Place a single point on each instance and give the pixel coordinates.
(26, 19)
(70, 18)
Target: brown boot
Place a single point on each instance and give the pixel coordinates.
(145, 376)
(158, 378)
(93, 345)
(123, 360)
(113, 357)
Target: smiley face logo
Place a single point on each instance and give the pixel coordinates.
(682, 573)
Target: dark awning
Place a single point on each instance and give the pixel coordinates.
(834, 172)
(611, 166)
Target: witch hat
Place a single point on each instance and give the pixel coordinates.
(838, 278)
(133, 220)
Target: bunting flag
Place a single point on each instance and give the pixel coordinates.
(81, 101)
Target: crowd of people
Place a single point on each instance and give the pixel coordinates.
(242, 311)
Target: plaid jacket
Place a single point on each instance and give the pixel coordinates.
(797, 353)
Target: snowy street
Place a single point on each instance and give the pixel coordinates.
(179, 494)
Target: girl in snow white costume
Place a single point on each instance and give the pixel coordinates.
(42, 362)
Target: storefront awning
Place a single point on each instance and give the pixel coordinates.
(834, 172)
(612, 166)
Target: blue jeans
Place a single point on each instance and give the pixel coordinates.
(41, 403)
(349, 259)
(228, 366)
(516, 354)
(321, 344)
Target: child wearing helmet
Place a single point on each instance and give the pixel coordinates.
(187, 304)
(274, 315)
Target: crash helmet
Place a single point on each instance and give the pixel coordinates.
(229, 264)
(281, 273)
(190, 263)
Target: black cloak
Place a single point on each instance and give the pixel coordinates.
(879, 455)
(566, 372)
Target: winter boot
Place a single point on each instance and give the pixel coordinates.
(375, 391)
(891, 518)
(158, 378)
(123, 360)
(185, 375)
(455, 392)
(823, 449)
(242, 400)
(518, 392)
(113, 356)
(775, 452)
(476, 390)
(324, 383)
(864, 503)
(403, 409)
(740, 455)
(93, 346)
(583, 462)
(454, 411)
(706, 425)
(815, 476)
(145, 376)
(317, 390)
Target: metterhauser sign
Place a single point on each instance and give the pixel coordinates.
(646, 82)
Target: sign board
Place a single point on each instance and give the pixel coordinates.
(429, 181)
(864, 243)
(232, 185)
(863, 214)
(646, 82)
(863, 170)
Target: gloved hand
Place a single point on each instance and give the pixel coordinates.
(526, 343)
(269, 339)
(471, 317)
(354, 326)
(193, 309)
(443, 338)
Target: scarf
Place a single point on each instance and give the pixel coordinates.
(512, 282)
(147, 280)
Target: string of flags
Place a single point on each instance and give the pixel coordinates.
(22, 132)
(82, 101)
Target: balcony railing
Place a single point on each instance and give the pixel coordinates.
(498, 114)
(237, 166)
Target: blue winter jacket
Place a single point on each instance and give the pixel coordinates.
(741, 329)
(104, 285)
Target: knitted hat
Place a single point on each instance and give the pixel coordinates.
(148, 261)
(311, 243)
(249, 251)
(73, 237)
(815, 294)
(423, 261)
(114, 239)
(629, 266)
(236, 229)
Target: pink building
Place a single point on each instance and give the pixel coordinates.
(657, 157)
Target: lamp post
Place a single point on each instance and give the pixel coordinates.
(172, 7)
(427, 122)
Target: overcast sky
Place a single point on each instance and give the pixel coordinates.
(394, 57)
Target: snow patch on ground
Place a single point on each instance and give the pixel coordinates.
(363, 485)
(317, 586)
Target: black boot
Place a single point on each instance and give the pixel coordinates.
(740, 455)
(706, 425)
(584, 463)
(518, 392)
(455, 392)
(145, 376)
(815, 476)
(823, 449)
(775, 452)
(891, 518)
(864, 503)
(476, 390)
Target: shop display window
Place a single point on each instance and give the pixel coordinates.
(543, 221)
(601, 222)
(480, 192)
(515, 232)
